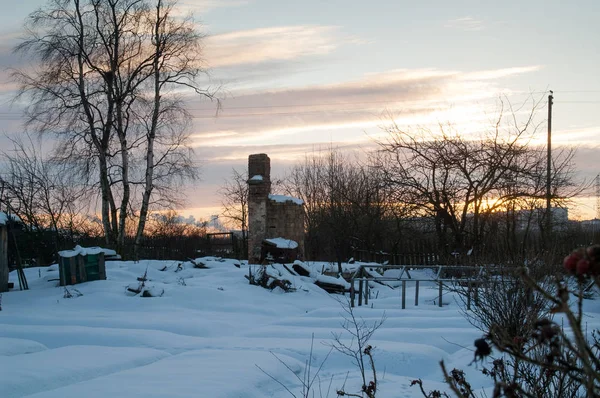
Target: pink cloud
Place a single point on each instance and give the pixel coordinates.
(268, 44)
(465, 23)
(342, 112)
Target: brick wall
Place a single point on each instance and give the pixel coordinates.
(286, 220)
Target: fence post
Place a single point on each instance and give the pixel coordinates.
(360, 291)
(403, 294)
(440, 295)
(417, 294)
(366, 292)
(352, 293)
(469, 287)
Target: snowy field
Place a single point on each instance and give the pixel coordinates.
(210, 332)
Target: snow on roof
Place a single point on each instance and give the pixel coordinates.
(333, 280)
(283, 199)
(282, 243)
(4, 218)
(84, 251)
(257, 177)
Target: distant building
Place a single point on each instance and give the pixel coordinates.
(591, 225)
(533, 219)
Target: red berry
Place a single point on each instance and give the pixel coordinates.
(593, 252)
(570, 262)
(583, 266)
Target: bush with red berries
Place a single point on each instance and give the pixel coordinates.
(583, 261)
(555, 358)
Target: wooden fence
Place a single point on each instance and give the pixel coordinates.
(469, 276)
(179, 247)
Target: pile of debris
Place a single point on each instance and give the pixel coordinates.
(142, 289)
(288, 277)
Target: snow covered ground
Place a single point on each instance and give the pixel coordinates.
(210, 332)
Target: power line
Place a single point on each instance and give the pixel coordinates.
(14, 116)
(577, 102)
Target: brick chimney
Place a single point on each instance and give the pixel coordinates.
(259, 187)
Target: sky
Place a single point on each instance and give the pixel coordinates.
(296, 76)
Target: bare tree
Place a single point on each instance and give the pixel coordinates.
(42, 192)
(176, 62)
(234, 202)
(321, 182)
(346, 204)
(105, 84)
(461, 181)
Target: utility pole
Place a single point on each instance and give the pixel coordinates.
(595, 229)
(549, 169)
(597, 186)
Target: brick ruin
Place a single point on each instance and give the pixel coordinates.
(270, 216)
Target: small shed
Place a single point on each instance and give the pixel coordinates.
(279, 250)
(82, 264)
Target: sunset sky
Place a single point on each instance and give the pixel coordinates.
(296, 75)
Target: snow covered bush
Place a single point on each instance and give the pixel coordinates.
(358, 349)
(500, 301)
(551, 354)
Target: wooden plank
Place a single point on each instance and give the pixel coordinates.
(81, 267)
(360, 292)
(101, 266)
(331, 287)
(73, 270)
(61, 272)
(404, 294)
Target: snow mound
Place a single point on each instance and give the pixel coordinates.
(10, 346)
(203, 373)
(210, 328)
(47, 370)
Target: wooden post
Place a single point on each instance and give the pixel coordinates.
(469, 295)
(61, 271)
(440, 295)
(360, 291)
(417, 294)
(366, 292)
(403, 294)
(352, 293)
